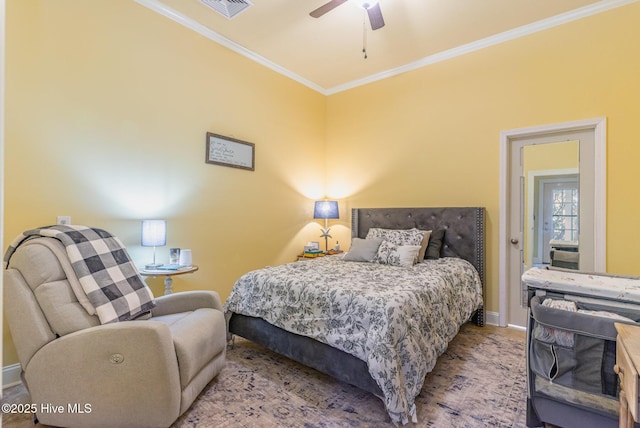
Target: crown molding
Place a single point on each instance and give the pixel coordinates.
(525, 30)
(181, 19)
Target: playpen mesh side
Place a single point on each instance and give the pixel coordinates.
(572, 354)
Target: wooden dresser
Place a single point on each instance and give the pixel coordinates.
(627, 366)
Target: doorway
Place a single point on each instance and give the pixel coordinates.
(518, 219)
(559, 214)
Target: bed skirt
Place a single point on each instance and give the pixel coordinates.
(307, 351)
(317, 355)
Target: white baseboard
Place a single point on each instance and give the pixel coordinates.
(11, 375)
(517, 327)
(492, 318)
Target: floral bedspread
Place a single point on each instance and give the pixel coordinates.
(397, 319)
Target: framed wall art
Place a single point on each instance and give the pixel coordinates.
(229, 151)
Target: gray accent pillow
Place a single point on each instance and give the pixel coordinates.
(363, 250)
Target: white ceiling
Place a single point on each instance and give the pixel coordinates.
(326, 53)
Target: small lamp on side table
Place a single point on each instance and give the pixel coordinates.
(154, 234)
(326, 210)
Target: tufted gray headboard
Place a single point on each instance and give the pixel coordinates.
(464, 235)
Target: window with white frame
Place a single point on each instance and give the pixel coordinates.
(565, 214)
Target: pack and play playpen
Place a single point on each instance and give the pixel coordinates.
(571, 345)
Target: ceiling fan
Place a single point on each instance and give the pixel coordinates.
(372, 7)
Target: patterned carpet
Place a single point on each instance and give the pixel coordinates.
(479, 382)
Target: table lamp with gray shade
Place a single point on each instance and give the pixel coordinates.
(154, 234)
(326, 210)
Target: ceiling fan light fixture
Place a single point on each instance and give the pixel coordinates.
(371, 7)
(365, 4)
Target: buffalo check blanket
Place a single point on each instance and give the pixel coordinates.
(105, 271)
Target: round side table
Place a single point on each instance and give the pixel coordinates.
(168, 281)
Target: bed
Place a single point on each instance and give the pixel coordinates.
(374, 335)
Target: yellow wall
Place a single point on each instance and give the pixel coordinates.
(551, 156)
(108, 104)
(431, 137)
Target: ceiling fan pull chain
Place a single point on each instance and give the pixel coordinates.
(364, 33)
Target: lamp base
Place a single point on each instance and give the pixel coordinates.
(153, 266)
(326, 236)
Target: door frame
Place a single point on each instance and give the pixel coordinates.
(599, 128)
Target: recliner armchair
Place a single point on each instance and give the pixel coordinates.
(131, 373)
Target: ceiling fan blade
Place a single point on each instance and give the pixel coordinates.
(326, 8)
(375, 16)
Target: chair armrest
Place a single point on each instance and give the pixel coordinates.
(186, 301)
(127, 372)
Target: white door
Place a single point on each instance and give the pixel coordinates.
(518, 227)
(517, 314)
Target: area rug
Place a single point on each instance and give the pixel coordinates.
(479, 381)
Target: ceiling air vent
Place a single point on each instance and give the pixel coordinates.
(228, 8)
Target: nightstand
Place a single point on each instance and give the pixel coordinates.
(168, 281)
(303, 257)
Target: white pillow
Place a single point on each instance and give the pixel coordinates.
(408, 255)
(397, 255)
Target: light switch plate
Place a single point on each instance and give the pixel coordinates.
(64, 219)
